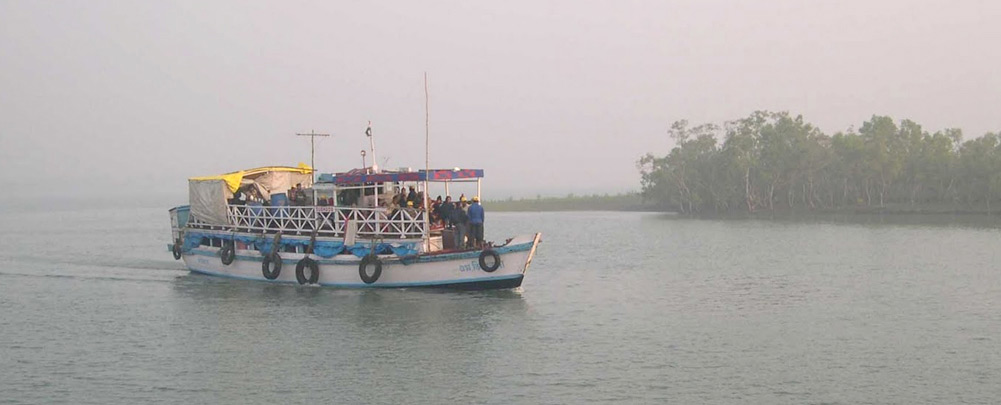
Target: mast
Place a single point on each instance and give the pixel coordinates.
(371, 144)
(427, 165)
(312, 158)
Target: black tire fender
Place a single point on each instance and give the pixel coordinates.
(177, 249)
(365, 262)
(228, 252)
(272, 266)
(300, 271)
(483, 260)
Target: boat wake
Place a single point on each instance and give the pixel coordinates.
(95, 268)
(89, 276)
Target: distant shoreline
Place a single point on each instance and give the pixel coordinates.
(633, 202)
(619, 202)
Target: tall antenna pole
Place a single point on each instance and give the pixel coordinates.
(427, 165)
(312, 157)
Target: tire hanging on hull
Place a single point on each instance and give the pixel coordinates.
(272, 266)
(363, 266)
(300, 271)
(495, 260)
(228, 252)
(176, 250)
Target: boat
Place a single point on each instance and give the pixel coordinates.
(286, 224)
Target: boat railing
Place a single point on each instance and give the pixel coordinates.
(327, 221)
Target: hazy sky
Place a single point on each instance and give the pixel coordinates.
(547, 97)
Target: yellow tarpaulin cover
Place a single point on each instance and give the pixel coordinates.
(233, 179)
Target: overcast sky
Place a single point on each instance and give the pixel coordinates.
(547, 97)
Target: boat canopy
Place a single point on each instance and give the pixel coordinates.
(234, 179)
(360, 176)
(207, 195)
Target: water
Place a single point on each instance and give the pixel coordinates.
(636, 308)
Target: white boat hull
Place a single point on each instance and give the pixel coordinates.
(448, 270)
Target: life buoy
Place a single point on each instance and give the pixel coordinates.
(300, 271)
(363, 269)
(176, 250)
(271, 266)
(495, 260)
(228, 252)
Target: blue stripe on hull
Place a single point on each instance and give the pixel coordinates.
(472, 254)
(478, 283)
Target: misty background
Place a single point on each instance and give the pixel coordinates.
(126, 100)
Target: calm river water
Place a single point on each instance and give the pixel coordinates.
(617, 307)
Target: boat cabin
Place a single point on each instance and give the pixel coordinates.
(356, 205)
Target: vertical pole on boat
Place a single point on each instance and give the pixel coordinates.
(312, 158)
(371, 144)
(427, 165)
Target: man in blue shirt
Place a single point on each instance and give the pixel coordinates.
(476, 223)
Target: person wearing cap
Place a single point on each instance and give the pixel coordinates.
(476, 223)
(412, 195)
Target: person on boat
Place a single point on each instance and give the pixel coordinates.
(240, 197)
(393, 207)
(403, 196)
(412, 196)
(293, 194)
(445, 211)
(436, 211)
(460, 222)
(410, 209)
(300, 195)
(476, 223)
(464, 206)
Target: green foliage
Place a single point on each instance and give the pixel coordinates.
(770, 161)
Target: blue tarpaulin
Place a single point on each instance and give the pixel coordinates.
(191, 241)
(364, 249)
(264, 246)
(328, 249)
(405, 249)
(325, 249)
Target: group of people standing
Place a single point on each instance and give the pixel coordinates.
(464, 218)
(406, 200)
(297, 195)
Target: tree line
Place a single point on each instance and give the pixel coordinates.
(776, 161)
